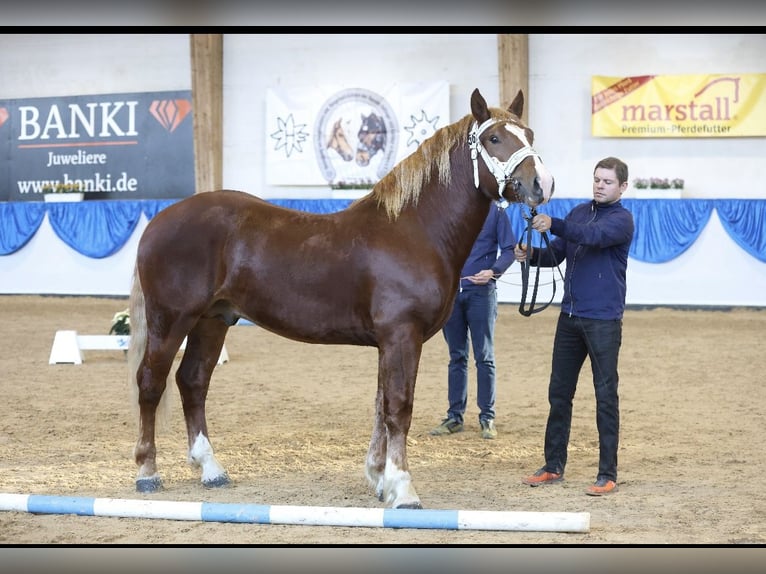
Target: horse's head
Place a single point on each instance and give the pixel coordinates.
(339, 142)
(372, 138)
(512, 168)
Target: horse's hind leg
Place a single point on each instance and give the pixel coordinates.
(152, 380)
(203, 347)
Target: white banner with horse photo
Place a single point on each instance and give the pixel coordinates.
(348, 138)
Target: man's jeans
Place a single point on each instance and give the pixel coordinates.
(578, 338)
(475, 310)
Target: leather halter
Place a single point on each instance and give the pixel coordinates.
(501, 170)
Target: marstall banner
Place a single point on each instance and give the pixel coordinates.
(109, 146)
(688, 106)
(351, 137)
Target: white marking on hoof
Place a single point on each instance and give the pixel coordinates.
(398, 490)
(201, 455)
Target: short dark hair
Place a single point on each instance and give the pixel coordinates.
(620, 168)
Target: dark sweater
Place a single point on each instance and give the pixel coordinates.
(594, 239)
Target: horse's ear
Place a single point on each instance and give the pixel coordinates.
(479, 107)
(517, 105)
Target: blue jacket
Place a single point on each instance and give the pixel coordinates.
(594, 239)
(496, 235)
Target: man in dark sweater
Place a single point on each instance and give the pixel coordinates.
(594, 240)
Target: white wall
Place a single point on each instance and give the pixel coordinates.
(714, 271)
(560, 71)
(48, 65)
(47, 265)
(255, 62)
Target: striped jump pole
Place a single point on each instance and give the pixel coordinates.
(298, 515)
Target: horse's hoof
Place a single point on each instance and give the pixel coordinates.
(411, 505)
(217, 482)
(151, 484)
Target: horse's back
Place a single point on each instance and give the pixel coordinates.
(204, 218)
(234, 250)
(199, 206)
(182, 246)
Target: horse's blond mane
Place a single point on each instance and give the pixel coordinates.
(404, 182)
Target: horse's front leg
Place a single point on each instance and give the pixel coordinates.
(203, 348)
(397, 371)
(376, 455)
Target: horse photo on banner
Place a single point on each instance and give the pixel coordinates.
(347, 137)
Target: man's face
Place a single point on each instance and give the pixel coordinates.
(606, 187)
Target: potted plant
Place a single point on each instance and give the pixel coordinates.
(353, 184)
(658, 187)
(121, 323)
(70, 191)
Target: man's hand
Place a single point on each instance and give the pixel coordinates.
(482, 277)
(541, 222)
(520, 251)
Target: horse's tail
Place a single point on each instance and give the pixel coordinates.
(136, 350)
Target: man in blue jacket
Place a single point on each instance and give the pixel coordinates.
(475, 310)
(594, 239)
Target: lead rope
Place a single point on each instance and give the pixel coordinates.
(525, 265)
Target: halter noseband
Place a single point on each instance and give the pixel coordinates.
(501, 170)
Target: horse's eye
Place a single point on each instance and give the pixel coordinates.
(494, 139)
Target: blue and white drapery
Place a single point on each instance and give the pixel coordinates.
(665, 228)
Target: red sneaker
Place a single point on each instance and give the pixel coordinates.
(542, 476)
(601, 487)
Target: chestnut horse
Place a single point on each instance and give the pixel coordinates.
(382, 273)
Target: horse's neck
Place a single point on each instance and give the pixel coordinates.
(454, 214)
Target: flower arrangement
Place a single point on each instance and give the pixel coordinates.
(121, 323)
(359, 184)
(658, 183)
(69, 187)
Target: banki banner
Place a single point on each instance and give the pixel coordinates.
(348, 137)
(684, 106)
(109, 146)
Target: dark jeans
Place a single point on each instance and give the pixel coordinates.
(578, 338)
(475, 310)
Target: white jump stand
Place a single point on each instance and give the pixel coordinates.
(68, 346)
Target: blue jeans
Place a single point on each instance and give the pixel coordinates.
(577, 338)
(475, 310)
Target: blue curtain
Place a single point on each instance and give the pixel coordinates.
(665, 228)
(19, 222)
(314, 205)
(95, 229)
(745, 221)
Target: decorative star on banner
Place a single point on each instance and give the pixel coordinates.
(289, 136)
